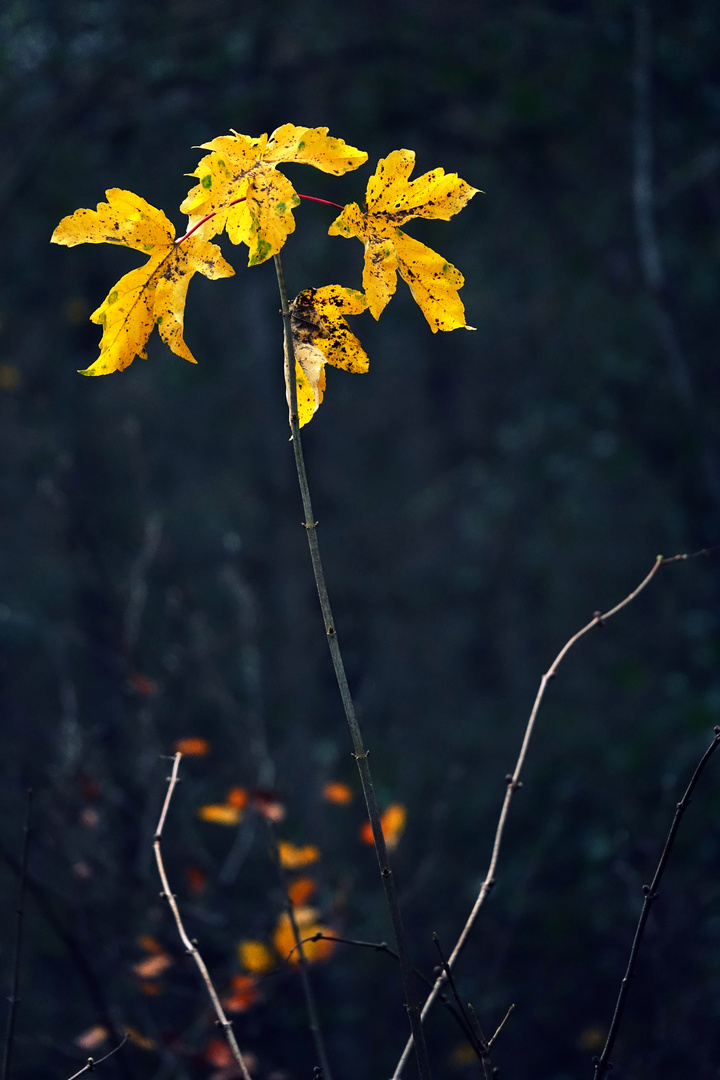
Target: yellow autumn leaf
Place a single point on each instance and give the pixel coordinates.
(240, 186)
(151, 295)
(293, 857)
(220, 814)
(321, 335)
(255, 957)
(392, 199)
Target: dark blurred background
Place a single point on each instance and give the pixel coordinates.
(479, 496)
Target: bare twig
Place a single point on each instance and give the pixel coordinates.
(308, 992)
(513, 780)
(602, 1063)
(20, 912)
(475, 1033)
(359, 752)
(501, 1025)
(190, 946)
(383, 947)
(92, 1064)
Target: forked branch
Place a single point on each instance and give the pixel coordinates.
(190, 946)
(513, 780)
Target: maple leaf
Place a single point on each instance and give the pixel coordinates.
(392, 199)
(242, 168)
(321, 335)
(151, 295)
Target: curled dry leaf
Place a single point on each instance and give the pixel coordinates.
(153, 294)
(240, 186)
(392, 199)
(321, 335)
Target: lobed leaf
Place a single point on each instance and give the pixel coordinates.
(240, 186)
(392, 199)
(151, 295)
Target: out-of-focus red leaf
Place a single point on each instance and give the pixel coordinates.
(192, 746)
(142, 684)
(196, 880)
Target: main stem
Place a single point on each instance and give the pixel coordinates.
(359, 751)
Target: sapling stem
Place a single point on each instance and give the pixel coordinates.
(359, 751)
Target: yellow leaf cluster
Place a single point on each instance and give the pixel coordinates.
(321, 335)
(151, 295)
(240, 186)
(392, 199)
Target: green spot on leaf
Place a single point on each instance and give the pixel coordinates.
(206, 181)
(158, 320)
(281, 208)
(262, 252)
(301, 144)
(113, 297)
(295, 200)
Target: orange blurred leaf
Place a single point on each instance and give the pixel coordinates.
(393, 825)
(337, 793)
(192, 746)
(284, 938)
(139, 1040)
(301, 890)
(293, 857)
(149, 944)
(255, 957)
(218, 1053)
(152, 966)
(150, 988)
(237, 796)
(93, 1038)
(244, 993)
(220, 814)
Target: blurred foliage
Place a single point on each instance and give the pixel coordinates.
(479, 496)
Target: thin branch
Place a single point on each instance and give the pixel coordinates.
(359, 752)
(383, 947)
(92, 1063)
(308, 992)
(190, 946)
(603, 1064)
(477, 1039)
(513, 780)
(501, 1025)
(20, 912)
